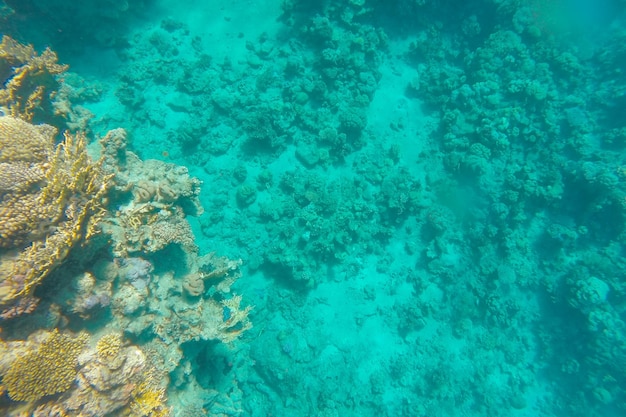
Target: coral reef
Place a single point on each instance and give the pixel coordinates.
(183, 310)
(40, 225)
(53, 201)
(115, 377)
(461, 188)
(153, 199)
(88, 381)
(29, 79)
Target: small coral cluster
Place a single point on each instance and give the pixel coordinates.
(182, 310)
(115, 377)
(153, 198)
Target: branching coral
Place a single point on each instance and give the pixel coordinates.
(149, 402)
(110, 377)
(236, 319)
(109, 347)
(39, 225)
(48, 369)
(52, 198)
(28, 78)
(95, 381)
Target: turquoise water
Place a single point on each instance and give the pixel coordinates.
(428, 198)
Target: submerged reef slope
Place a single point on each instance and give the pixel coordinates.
(426, 198)
(423, 189)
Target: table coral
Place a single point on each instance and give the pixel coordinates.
(48, 369)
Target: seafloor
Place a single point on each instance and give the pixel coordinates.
(428, 199)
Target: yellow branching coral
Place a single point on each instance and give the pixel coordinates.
(47, 370)
(109, 347)
(39, 225)
(149, 402)
(28, 78)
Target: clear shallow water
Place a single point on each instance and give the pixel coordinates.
(428, 199)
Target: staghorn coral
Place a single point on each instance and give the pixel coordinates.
(47, 369)
(235, 319)
(40, 225)
(28, 78)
